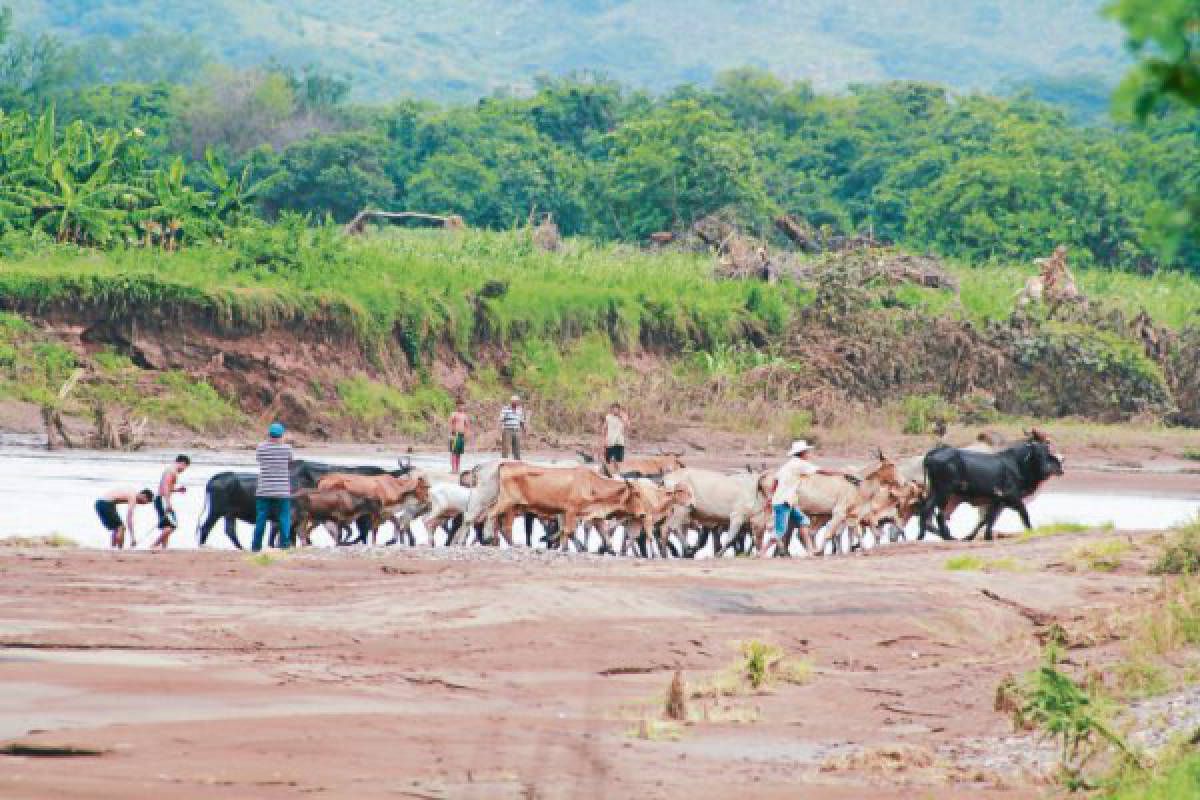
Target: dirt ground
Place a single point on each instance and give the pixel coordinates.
(494, 674)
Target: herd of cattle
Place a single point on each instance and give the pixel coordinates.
(656, 500)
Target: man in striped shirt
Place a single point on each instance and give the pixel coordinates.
(512, 425)
(274, 493)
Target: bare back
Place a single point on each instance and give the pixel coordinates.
(119, 496)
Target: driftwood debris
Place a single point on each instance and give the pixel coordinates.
(545, 234)
(359, 223)
(52, 414)
(115, 430)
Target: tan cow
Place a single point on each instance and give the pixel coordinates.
(651, 505)
(722, 502)
(579, 494)
(391, 492)
(833, 499)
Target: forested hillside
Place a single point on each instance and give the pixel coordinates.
(462, 50)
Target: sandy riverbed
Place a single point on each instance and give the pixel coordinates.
(496, 674)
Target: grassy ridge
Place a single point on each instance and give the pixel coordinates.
(420, 285)
(563, 317)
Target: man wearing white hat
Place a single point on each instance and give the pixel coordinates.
(787, 485)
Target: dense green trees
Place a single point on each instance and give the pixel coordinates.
(970, 176)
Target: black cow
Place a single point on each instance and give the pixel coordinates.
(230, 495)
(993, 481)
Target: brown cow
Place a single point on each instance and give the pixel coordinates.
(316, 506)
(577, 493)
(391, 492)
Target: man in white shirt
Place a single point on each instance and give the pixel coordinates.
(613, 426)
(787, 485)
(512, 425)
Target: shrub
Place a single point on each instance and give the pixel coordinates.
(1181, 555)
(191, 403)
(1102, 556)
(924, 414)
(378, 405)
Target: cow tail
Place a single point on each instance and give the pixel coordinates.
(203, 513)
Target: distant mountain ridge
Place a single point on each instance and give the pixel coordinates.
(465, 49)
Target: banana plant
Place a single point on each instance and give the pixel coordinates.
(233, 195)
(177, 212)
(83, 212)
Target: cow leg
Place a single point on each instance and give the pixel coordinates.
(207, 525)
(719, 548)
(1018, 505)
(983, 518)
(231, 530)
(941, 504)
(701, 541)
(604, 531)
(452, 527)
(569, 523)
(529, 519)
(505, 529)
(986, 521)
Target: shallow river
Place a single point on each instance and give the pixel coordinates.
(43, 493)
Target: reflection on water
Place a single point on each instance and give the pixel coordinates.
(43, 493)
(1124, 512)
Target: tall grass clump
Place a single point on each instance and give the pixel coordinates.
(194, 404)
(1181, 552)
(924, 414)
(379, 406)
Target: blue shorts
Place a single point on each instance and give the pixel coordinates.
(782, 512)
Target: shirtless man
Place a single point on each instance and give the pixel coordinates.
(460, 426)
(106, 509)
(167, 523)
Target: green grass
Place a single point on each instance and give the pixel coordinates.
(194, 404)
(1173, 779)
(964, 563)
(1171, 623)
(378, 405)
(968, 563)
(1059, 527)
(1181, 552)
(1191, 454)
(1101, 556)
(1171, 298)
(416, 286)
(925, 414)
(50, 540)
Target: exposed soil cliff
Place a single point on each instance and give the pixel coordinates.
(1099, 367)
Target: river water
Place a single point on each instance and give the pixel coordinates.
(43, 493)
